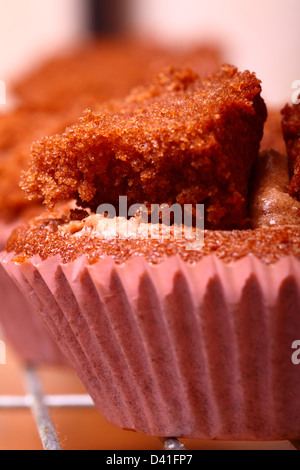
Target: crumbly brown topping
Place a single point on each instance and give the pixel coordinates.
(148, 141)
(54, 96)
(179, 139)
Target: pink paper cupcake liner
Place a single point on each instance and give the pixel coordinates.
(176, 349)
(23, 329)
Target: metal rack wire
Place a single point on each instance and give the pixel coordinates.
(39, 404)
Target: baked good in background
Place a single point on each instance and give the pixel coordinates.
(291, 132)
(106, 68)
(273, 136)
(169, 339)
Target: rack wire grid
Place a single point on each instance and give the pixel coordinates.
(40, 404)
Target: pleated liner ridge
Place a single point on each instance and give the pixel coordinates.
(23, 329)
(176, 349)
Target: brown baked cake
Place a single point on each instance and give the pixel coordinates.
(180, 139)
(171, 336)
(274, 233)
(55, 95)
(291, 131)
(152, 327)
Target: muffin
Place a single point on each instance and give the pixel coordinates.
(171, 333)
(47, 101)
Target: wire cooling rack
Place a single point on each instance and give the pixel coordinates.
(40, 405)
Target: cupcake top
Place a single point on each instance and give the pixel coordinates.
(51, 236)
(275, 232)
(179, 141)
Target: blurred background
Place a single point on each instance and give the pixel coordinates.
(58, 57)
(260, 35)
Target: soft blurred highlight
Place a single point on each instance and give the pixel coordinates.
(260, 35)
(33, 30)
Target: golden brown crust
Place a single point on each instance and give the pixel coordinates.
(179, 139)
(44, 238)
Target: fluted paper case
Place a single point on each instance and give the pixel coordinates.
(175, 349)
